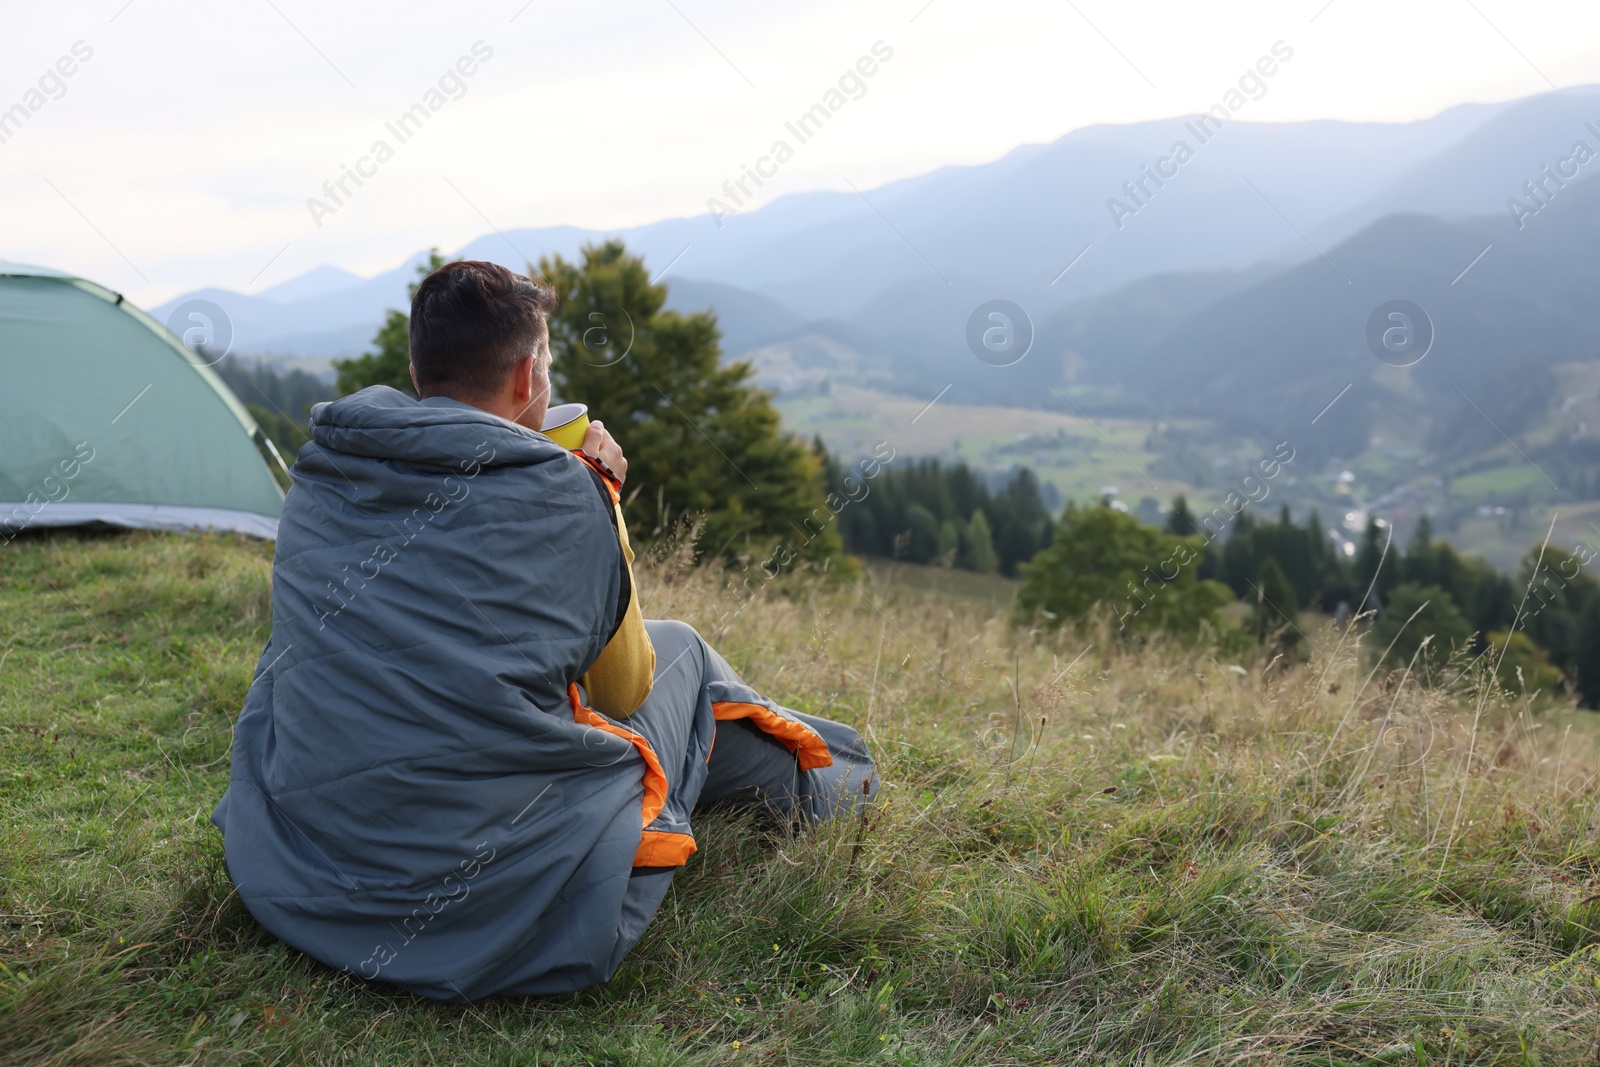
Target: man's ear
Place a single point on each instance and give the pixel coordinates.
(522, 380)
(411, 368)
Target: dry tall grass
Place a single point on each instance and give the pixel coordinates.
(1085, 852)
(1159, 855)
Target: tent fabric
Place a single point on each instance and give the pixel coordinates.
(28, 270)
(418, 793)
(18, 515)
(105, 417)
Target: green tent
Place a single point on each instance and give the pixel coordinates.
(106, 418)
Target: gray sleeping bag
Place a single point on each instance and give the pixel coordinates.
(417, 795)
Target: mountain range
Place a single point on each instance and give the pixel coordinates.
(903, 264)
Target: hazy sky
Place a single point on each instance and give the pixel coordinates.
(182, 152)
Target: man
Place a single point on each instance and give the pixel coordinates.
(421, 791)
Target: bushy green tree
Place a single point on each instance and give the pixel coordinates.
(391, 364)
(701, 440)
(1439, 618)
(1521, 665)
(1105, 560)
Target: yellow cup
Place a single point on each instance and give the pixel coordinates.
(566, 425)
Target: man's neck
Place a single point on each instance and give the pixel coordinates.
(503, 406)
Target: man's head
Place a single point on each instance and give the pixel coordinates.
(478, 335)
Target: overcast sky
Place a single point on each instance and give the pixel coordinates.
(183, 151)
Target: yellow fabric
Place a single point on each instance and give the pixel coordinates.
(620, 679)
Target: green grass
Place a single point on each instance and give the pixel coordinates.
(1497, 481)
(1078, 465)
(1146, 856)
(992, 589)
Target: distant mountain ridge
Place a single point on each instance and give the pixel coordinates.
(882, 284)
(1010, 226)
(319, 281)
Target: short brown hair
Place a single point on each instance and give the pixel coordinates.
(471, 322)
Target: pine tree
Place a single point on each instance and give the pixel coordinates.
(1422, 538)
(1238, 565)
(1180, 520)
(922, 529)
(1275, 608)
(983, 557)
(1418, 563)
(1021, 525)
(949, 543)
(1586, 640)
(1370, 558)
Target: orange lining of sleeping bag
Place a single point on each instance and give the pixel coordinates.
(663, 848)
(810, 750)
(655, 780)
(603, 471)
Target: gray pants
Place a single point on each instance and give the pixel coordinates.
(740, 761)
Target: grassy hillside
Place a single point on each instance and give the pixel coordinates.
(1086, 854)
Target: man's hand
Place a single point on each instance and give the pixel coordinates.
(599, 444)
